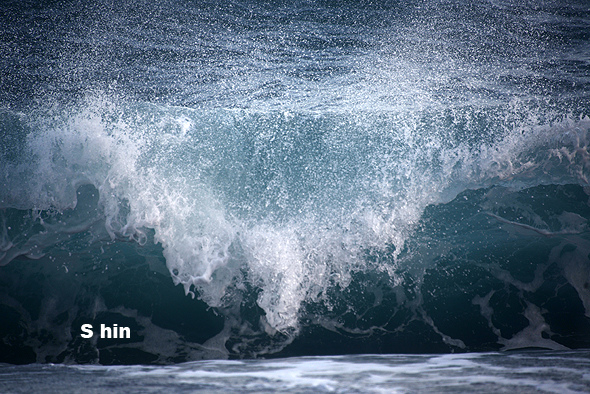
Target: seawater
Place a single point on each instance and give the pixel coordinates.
(524, 372)
(249, 180)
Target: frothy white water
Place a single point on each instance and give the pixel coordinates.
(546, 372)
(285, 202)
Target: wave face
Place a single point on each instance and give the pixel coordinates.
(318, 177)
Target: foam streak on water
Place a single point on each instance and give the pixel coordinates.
(534, 372)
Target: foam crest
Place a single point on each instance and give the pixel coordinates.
(287, 202)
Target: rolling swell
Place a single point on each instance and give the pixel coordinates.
(488, 284)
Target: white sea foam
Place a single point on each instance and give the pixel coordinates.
(231, 196)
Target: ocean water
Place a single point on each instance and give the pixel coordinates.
(283, 180)
(525, 372)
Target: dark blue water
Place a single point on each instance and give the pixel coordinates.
(250, 180)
